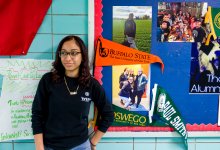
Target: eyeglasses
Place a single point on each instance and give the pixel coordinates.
(64, 54)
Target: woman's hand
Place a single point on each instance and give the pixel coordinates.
(95, 139)
(93, 147)
(38, 139)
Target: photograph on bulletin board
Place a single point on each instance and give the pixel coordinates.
(130, 87)
(180, 21)
(205, 56)
(205, 68)
(132, 26)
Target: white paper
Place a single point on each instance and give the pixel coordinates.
(20, 80)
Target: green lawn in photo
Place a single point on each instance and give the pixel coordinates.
(143, 33)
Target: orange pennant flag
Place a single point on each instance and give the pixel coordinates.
(109, 53)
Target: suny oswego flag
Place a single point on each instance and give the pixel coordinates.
(163, 106)
(123, 117)
(109, 53)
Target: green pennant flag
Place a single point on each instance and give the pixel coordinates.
(163, 106)
(213, 18)
(123, 117)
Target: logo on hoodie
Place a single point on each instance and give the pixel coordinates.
(86, 98)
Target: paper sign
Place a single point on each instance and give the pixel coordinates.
(20, 80)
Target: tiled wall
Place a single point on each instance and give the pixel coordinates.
(71, 17)
(131, 143)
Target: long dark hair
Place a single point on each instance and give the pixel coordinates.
(58, 70)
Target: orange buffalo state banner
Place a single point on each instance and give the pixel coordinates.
(109, 53)
(20, 20)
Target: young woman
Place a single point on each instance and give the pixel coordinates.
(62, 101)
(126, 92)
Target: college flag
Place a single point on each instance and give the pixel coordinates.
(20, 21)
(163, 106)
(213, 18)
(123, 117)
(109, 53)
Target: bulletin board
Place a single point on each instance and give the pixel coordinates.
(200, 111)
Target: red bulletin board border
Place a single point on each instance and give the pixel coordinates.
(98, 75)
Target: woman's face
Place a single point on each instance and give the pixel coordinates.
(130, 79)
(71, 57)
(131, 71)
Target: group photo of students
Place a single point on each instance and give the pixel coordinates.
(181, 22)
(130, 87)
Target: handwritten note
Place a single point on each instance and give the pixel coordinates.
(19, 84)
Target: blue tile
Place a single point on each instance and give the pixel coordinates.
(117, 139)
(8, 141)
(170, 146)
(4, 57)
(191, 139)
(58, 38)
(208, 140)
(169, 139)
(144, 146)
(115, 146)
(6, 146)
(56, 41)
(91, 112)
(54, 56)
(191, 146)
(66, 24)
(50, 9)
(24, 146)
(1, 82)
(46, 25)
(41, 43)
(70, 7)
(144, 139)
(207, 146)
(35, 56)
(24, 141)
